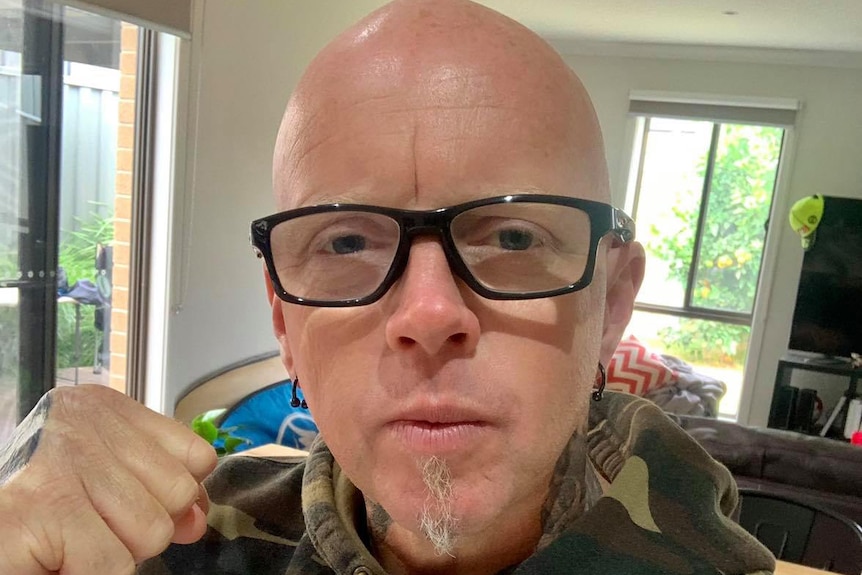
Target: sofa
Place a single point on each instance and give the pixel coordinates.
(824, 472)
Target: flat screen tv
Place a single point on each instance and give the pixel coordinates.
(827, 318)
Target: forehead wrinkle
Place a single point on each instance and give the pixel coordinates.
(311, 135)
(384, 81)
(444, 88)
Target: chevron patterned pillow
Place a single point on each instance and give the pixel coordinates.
(635, 369)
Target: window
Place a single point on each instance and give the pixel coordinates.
(71, 194)
(702, 190)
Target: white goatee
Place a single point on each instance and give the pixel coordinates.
(437, 521)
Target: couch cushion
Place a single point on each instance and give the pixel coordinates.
(846, 505)
(779, 456)
(635, 369)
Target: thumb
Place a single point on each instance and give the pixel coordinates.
(190, 527)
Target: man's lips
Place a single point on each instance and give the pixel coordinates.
(438, 429)
(428, 438)
(440, 413)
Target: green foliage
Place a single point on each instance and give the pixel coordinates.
(8, 264)
(78, 251)
(78, 258)
(9, 318)
(733, 237)
(223, 440)
(707, 342)
(9, 344)
(739, 203)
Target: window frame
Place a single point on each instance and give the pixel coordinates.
(689, 310)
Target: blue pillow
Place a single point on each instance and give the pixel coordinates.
(266, 416)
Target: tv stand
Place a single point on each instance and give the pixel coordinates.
(783, 410)
(827, 360)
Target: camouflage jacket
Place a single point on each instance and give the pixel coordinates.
(665, 511)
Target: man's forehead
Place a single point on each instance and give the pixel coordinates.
(387, 103)
(469, 138)
(426, 158)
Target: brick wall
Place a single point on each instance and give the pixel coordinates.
(123, 205)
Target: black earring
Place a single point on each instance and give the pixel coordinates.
(294, 400)
(597, 394)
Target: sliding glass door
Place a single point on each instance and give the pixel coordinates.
(31, 39)
(70, 197)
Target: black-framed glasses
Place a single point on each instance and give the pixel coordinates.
(512, 247)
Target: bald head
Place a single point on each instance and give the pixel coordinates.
(428, 104)
(424, 86)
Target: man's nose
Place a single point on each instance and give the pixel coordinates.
(431, 313)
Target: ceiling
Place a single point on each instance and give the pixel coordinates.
(810, 25)
(819, 25)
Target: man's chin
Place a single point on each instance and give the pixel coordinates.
(467, 513)
(429, 490)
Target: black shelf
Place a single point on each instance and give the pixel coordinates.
(784, 411)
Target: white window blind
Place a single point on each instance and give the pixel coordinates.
(760, 111)
(172, 16)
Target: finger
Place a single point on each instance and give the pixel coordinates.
(112, 441)
(138, 519)
(122, 417)
(23, 551)
(92, 548)
(15, 557)
(190, 527)
(198, 456)
(193, 524)
(73, 540)
(203, 500)
(161, 474)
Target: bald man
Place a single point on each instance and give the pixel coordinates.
(447, 279)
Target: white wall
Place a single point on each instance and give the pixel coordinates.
(248, 54)
(246, 58)
(827, 159)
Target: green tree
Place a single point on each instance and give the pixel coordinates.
(737, 210)
(735, 227)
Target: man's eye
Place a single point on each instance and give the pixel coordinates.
(515, 240)
(348, 244)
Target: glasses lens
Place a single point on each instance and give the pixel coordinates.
(334, 256)
(523, 247)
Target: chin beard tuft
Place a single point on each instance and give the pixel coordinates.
(437, 521)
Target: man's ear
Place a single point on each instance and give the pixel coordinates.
(625, 275)
(278, 327)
